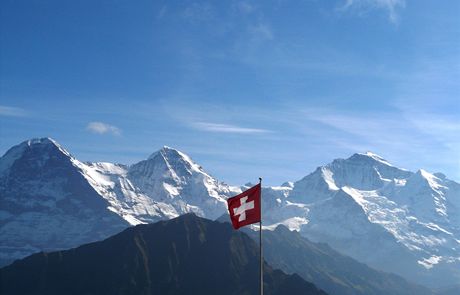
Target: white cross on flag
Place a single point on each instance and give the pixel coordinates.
(244, 208)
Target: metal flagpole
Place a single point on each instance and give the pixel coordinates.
(260, 243)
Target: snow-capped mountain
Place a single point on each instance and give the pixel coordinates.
(170, 176)
(164, 186)
(46, 203)
(387, 217)
(49, 200)
(390, 218)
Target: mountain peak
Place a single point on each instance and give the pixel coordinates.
(366, 171)
(425, 175)
(41, 148)
(171, 176)
(370, 156)
(175, 159)
(44, 143)
(166, 147)
(431, 179)
(42, 140)
(168, 152)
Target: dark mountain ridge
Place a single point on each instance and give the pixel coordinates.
(185, 255)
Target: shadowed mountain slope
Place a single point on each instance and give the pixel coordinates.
(333, 272)
(185, 255)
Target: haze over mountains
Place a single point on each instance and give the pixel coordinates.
(390, 218)
(331, 271)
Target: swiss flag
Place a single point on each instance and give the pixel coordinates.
(244, 208)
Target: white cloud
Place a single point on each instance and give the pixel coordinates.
(391, 6)
(12, 111)
(103, 128)
(226, 128)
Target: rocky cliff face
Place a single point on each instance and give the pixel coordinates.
(46, 203)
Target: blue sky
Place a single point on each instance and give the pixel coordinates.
(246, 88)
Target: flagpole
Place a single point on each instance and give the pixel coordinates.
(260, 243)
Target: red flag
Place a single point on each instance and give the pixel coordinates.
(244, 208)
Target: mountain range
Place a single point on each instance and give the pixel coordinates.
(390, 218)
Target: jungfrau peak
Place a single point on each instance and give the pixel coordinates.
(390, 218)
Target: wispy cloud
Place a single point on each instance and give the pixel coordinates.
(261, 31)
(391, 6)
(244, 7)
(103, 128)
(226, 128)
(443, 129)
(12, 111)
(416, 138)
(198, 12)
